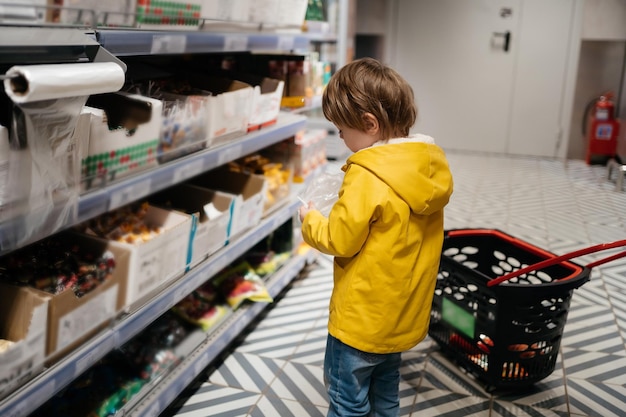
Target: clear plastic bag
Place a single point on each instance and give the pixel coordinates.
(323, 191)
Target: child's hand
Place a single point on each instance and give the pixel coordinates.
(305, 208)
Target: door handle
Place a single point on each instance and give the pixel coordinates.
(507, 39)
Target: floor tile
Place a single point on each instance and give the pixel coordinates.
(590, 398)
(245, 371)
(300, 382)
(311, 350)
(270, 406)
(441, 403)
(218, 401)
(594, 366)
(273, 342)
(504, 409)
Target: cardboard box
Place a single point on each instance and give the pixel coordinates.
(266, 98)
(229, 107)
(247, 190)
(124, 132)
(278, 190)
(158, 261)
(279, 12)
(72, 319)
(23, 319)
(33, 11)
(232, 10)
(304, 153)
(211, 215)
(91, 12)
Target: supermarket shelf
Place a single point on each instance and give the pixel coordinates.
(34, 393)
(150, 181)
(169, 387)
(148, 42)
(41, 45)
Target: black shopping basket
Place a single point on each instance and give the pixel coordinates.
(501, 304)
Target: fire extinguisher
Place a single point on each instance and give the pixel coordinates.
(601, 128)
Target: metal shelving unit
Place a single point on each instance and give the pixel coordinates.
(29, 45)
(147, 42)
(33, 394)
(156, 179)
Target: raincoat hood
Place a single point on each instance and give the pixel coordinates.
(419, 173)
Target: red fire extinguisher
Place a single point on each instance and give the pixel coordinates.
(602, 128)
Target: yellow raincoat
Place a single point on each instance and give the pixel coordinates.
(385, 233)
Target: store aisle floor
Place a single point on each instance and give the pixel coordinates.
(275, 369)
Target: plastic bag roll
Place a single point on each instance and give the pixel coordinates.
(30, 83)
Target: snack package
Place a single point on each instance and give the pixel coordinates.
(239, 283)
(152, 352)
(201, 308)
(265, 263)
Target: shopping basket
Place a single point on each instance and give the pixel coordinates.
(501, 304)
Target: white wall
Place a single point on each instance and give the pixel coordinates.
(593, 66)
(604, 20)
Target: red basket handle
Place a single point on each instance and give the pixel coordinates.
(566, 257)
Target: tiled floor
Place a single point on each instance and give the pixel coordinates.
(276, 369)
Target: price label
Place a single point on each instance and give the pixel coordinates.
(129, 193)
(201, 363)
(168, 44)
(94, 355)
(229, 154)
(184, 290)
(285, 43)
(188, 170)
(155, 410)
(186, 380)
(46, 391)
(235, 43)
(19, 410)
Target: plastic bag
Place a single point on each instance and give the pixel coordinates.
(323, 191)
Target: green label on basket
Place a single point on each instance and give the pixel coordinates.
(458, 318)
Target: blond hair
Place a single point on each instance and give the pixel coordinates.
(368, 86)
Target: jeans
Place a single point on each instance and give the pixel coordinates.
(360, 383)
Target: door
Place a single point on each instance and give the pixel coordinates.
(484, 71)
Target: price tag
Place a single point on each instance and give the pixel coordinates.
(46, 391)
(155, 410)
(229, 154)
(18, 410)
(188, 377)
(184, 290)
(188, 170)
(168, 44)
(285, 43)
(201, 363)
(129, 193)
(278, 221)
(235, 43)
(94, 355)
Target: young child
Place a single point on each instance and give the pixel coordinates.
(385, 232)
